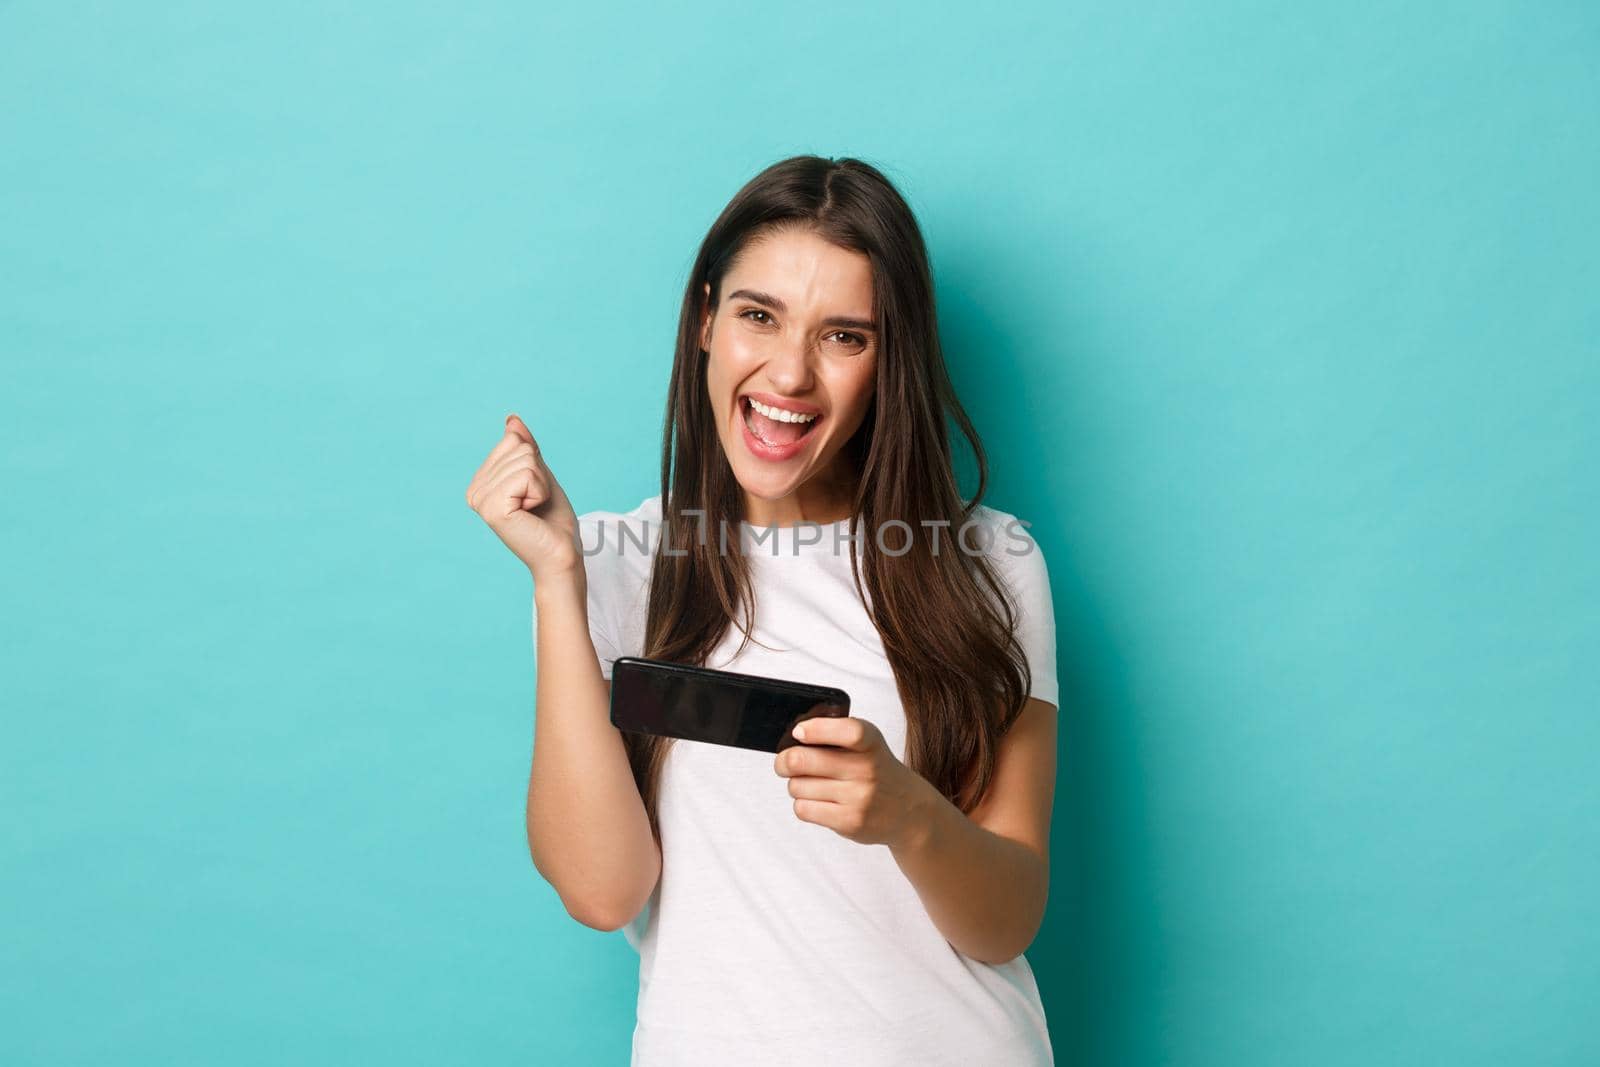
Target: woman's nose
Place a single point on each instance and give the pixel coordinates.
(790, 369)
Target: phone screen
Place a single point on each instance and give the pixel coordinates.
(719, 707)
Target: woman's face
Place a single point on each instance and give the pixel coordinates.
(793, 362)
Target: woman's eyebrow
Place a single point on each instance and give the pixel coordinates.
(780, 307)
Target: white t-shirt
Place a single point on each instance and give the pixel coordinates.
(769, 940)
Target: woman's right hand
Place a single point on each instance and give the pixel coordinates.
(515, 493)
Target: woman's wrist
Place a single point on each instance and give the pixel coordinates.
(921, 822)
(562, 587)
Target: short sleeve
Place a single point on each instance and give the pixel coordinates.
(1022, 561)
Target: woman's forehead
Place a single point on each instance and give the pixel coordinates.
(798, 269)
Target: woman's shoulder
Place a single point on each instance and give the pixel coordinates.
(1011, 548)
(1005, 535)
(1021, 566)
(648, 510)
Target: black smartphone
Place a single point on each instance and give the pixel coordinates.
(721, 707)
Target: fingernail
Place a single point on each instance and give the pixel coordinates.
(800, 731)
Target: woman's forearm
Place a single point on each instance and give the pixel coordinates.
(985, 893)
(588, 832)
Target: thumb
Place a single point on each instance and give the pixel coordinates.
(515, 424)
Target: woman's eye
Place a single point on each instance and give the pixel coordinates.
(845, 337)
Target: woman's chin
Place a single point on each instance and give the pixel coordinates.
(764, 485)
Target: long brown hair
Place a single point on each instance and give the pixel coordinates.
(946, 619)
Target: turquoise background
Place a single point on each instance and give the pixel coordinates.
(1280, 322)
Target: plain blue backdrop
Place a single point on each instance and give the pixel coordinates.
(1280, 322)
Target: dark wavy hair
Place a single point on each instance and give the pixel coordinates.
(947, 621)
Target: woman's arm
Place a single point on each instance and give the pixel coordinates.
(587, 829)
(985, 877)
(588, 832)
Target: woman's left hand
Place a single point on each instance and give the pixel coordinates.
(858, 789)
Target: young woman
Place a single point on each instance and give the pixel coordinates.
(865, 897)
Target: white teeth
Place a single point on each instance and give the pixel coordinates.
(779, 413)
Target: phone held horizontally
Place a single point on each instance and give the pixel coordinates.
(720, 707)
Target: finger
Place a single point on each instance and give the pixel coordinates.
(803, 760)
(497, 455)
(521, 490)
(832, 790)
(505, 469)
(845, 731)
(515, 425)
(508, 441)
(840, 818)
(519, 459)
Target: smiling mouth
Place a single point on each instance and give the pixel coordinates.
(775, 426)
